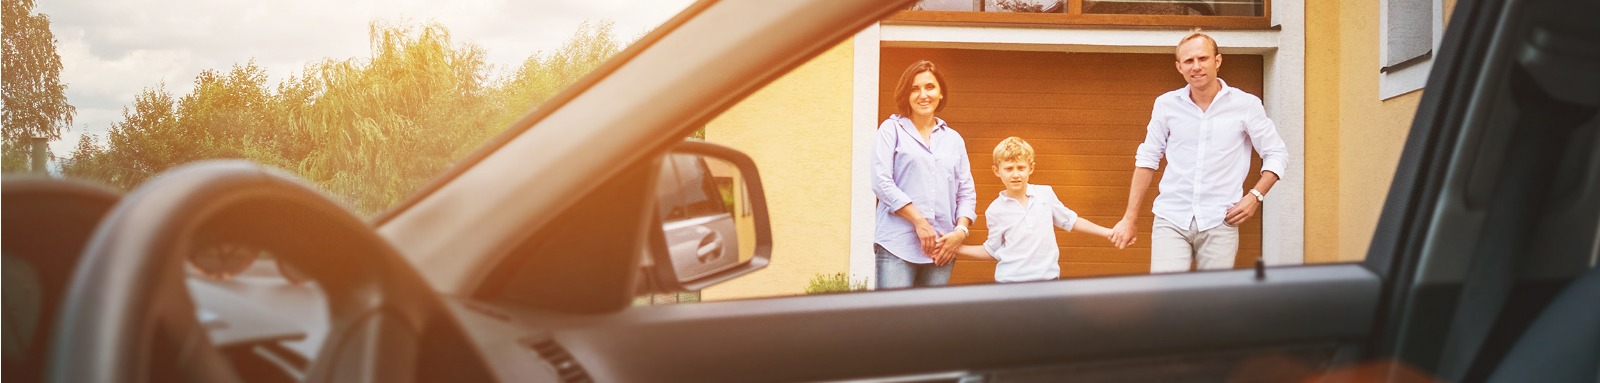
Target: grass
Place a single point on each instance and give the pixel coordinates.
(834, 283)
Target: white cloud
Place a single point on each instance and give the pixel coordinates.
(111, 50)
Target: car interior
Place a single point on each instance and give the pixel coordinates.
(1492, 217)
(521, 264)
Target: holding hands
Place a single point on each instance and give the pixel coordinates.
(942, 248)
(1124, 234)
(946, 252)
(1122, 231)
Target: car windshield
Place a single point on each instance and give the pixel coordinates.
(367, 100)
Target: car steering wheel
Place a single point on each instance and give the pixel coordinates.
(127, 314)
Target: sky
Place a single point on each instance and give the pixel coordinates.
(113, 49)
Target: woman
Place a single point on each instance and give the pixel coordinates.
(923, 181)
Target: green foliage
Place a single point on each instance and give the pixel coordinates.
(146, 141)
(834, 283)
(1019, 6)
(86, 160)
(369, 130)
(375, 130)
(542, 75)
(30, 86)
(666, 298)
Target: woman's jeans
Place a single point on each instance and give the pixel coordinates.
(896, 273)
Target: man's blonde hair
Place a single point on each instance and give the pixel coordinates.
(1013, 149)
(1197, 34)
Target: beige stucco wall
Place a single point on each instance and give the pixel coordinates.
(1353, 139)
(797, 130)
(1322, 131)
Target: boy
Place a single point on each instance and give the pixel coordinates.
(1020, 234)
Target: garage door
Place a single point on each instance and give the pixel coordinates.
(1084, 114)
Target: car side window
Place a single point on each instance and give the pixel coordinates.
(667, 193)
(697, 191)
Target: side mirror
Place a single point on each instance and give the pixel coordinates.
(713, 219)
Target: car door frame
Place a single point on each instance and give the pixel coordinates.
(1300, 318)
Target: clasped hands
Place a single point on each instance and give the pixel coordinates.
(942, 248)
(1125, 232)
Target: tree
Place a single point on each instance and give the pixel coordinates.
(376, 129)
(86, 161)
(35, 99)
(542, 75)
(368, 130)
(146, 141)
(228, 114)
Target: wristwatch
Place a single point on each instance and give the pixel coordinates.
(1259, 197)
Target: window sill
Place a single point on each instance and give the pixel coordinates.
(1079, 20)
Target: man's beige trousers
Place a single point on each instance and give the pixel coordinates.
(1172, 248)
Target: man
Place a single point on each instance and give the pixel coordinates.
(1206, 131)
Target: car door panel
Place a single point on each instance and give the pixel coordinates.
(697, 243)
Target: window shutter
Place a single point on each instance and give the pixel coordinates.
(1410, 30)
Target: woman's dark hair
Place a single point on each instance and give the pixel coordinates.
(902, 92)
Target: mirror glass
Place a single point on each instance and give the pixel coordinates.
(706, 215)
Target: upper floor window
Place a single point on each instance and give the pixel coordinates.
(1214, 14)
(1410, 33)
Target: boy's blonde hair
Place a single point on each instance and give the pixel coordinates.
(1013, 149)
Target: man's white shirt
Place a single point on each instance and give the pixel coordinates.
(1022, 235)
(1207, 153)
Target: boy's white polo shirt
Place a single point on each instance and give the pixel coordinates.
(1022, 237)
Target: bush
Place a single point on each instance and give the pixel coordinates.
(834, 283)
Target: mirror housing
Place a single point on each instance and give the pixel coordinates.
(712, 218)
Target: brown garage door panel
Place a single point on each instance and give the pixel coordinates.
(1075, 197)
(1109, 178)
(1129, 120)
(1070, 101)
(979, 149)
(1061, 130)
(1076, 245)
(981, 162)
(971, 272)
(1085, 115)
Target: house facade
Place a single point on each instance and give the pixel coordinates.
(1077, 79)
